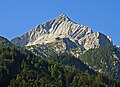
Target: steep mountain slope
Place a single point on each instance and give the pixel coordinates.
(104, 60)
(56, 47)
(10, 63)
(56, 52)
(61, 35)
(62, 27)
(68, 59)
(5, 42)
(21, 68)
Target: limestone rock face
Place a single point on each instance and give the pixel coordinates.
(95, 40)
(63, 27)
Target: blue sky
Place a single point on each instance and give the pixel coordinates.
(19, 16)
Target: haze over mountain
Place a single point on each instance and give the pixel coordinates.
(65, 29)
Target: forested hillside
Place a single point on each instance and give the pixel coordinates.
(103, 60)
(5, 42)
(21, 68)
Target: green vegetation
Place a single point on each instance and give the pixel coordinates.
(21, 68)
(68, 59)
(10, 62)
(5, 42)
(104, 60)
(65, 58)
(44, 51)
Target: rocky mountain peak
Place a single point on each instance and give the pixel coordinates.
(63, 27)
(63, 16)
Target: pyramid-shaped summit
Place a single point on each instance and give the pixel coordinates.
(63, 15)
(62, 27)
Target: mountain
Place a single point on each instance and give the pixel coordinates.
(21, 68)
(5, 42)
(68, 59)
(63, 41)
(60, 28)
(59, 53)
(103, 60)
(54, 48)
(56, 52)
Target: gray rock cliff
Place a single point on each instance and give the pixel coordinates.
(63, 27)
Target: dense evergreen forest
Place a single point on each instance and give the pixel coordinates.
(105, 60)
(21, 68)
(68, 59)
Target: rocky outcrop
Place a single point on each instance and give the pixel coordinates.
(95, 40)
(63, 27)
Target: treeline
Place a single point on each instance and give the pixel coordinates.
(105, 60)
(21, 68)
(68, 59)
